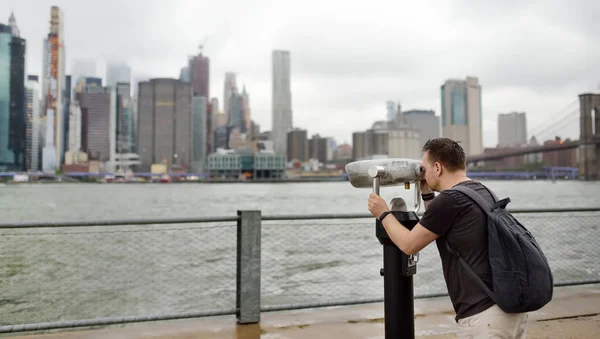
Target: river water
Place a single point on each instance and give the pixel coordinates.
(47, 202)
(75, 273)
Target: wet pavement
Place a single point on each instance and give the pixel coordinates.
(573, 313)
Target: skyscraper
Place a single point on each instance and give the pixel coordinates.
(32, 123)
(281, 101)
(66, 108)
(245, 111)
(74, 127)
(236, 116)
(318, 148)
(53, 85)
(297, 145)
(164, 123)
(125, 118)
(425, 121)
(12, 99)
(112, 129)
(184, 74)
(199, 74)
(461, 113)
(512, 129)
(12, 23)
(391, 108)
(214, 113)
(134, 131)
(199, 133)
(230, 87)
(96, 125)
(49, 152)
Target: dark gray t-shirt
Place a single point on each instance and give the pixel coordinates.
(455, 217)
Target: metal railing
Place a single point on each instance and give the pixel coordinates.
(79, 274)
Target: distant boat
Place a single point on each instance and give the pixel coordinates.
(165, 178)
(19, 179)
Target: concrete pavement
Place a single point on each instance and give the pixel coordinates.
(573, 313)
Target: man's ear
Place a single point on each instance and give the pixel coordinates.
(439, 167)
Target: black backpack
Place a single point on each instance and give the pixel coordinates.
(522, 278)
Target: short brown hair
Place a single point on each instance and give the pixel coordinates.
(447, 152)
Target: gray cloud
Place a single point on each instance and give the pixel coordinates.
(347, 58)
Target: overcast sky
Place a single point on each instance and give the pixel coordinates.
(348, 57)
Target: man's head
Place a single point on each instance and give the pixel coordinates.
(442, 158)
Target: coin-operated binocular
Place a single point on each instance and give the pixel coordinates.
(398, 267)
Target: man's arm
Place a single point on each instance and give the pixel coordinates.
(435, 222)
(408, 241)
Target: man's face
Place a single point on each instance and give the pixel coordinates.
(431, 172)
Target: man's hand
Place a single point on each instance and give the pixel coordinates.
(377, 205)
(424, 187)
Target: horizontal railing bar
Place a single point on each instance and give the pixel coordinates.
(431, 295)
(164, 221)
(111, 321)
(554, 210)
(291, 307)
(577, 283)
(315, 216)
(116, 222)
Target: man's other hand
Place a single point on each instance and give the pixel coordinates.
(377, 205)
(424, 187)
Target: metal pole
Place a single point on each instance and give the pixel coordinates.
(248, 267)
(376, 185)
(376, 172)
(417, 197)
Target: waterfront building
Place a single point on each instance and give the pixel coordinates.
(227, 164)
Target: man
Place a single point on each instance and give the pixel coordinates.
(454, 217)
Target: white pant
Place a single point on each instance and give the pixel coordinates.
(493, 323)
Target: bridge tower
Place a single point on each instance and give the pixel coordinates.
(589, 129)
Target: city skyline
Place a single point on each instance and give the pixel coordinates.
(334, 82)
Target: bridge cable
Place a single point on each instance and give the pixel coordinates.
(550, 120)
(558, 125)
(567, 110)
(556, 132)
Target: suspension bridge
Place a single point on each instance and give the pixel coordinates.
(585, 111)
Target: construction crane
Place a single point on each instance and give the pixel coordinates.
(201, 46)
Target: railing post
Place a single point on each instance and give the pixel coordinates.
(248, 267)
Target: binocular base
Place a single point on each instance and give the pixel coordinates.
(398, 271)
(398, 291)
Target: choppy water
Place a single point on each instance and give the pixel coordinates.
(91, 272)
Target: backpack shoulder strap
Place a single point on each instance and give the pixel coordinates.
(491, 193)
(476, 197)
(471, 273)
